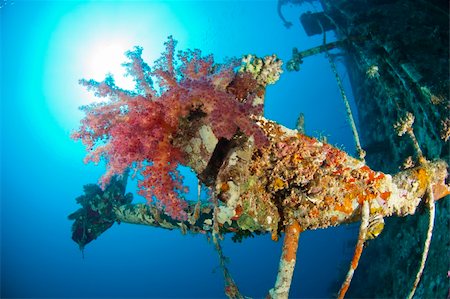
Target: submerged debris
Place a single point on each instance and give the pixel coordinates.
(263, 177)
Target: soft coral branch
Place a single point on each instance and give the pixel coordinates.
(140, 71)
(136, 128)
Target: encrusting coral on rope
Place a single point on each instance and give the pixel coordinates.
(263, 177)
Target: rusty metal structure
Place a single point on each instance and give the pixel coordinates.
(396, 53)
(267, 179)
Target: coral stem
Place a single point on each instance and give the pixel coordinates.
(287, 262)
(426, 246)
(231, 289)
(358, 249)
(361, 153)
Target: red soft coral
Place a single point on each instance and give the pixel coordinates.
(135, 129)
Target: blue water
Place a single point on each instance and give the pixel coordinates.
(45, 48)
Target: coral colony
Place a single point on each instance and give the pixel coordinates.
(263, 178)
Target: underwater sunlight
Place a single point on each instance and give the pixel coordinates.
(210, 149)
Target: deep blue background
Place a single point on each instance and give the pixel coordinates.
(45, 49)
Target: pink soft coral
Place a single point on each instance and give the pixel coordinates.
(135, 129)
